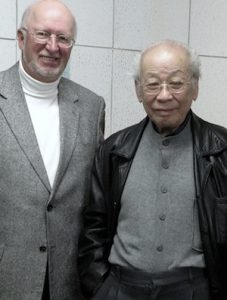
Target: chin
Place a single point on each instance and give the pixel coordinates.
(166, 126)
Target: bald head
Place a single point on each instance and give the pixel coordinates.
(56, 7)
(163, 49)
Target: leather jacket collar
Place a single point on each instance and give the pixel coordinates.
(207, 141)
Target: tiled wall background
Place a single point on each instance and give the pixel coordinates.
(111, 32)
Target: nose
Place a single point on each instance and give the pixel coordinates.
(52, 44)
(164, 93)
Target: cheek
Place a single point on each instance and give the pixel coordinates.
(148, 104)
(187, 101)
(148, 100)
(65, 53)
(184, 107)
(31, 49)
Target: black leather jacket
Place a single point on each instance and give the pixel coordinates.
(111, 167)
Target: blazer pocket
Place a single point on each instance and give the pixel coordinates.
(221, 220)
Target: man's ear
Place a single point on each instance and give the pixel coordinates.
(195, 91)
(138, 90)
(20, 38)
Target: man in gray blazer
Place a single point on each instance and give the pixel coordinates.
(50, 128)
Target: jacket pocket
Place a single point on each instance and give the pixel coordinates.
(221, 220)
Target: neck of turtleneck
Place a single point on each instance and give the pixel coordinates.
(35, 88)
(42, 103)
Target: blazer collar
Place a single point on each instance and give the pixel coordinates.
(14, 108)
(15, 111)
(69, 125)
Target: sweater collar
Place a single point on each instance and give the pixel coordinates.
(35, 88)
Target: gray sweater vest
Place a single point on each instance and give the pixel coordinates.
(158, 223)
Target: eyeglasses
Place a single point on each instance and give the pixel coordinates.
(173, 86)
(43, 37)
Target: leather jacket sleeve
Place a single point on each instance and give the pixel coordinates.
(94, 243)
(111, 166)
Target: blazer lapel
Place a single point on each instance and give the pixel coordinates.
(15, 111)
(69, 124)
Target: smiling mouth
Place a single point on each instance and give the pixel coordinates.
(165, 111)
(49, 58)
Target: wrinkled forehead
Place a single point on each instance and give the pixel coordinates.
(152, 71)
(52, 13)
(165, 59)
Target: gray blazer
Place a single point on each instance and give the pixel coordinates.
(37, 223)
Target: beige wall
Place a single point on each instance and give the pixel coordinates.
(111, 32)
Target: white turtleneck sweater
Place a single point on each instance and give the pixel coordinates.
(42, 102)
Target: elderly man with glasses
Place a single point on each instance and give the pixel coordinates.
(155, 225)
(50, 129)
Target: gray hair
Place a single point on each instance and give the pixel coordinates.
(194, 61)
(25, 16)
(28, 11)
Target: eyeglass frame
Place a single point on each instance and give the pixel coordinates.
(167, 85)
(48, 37)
